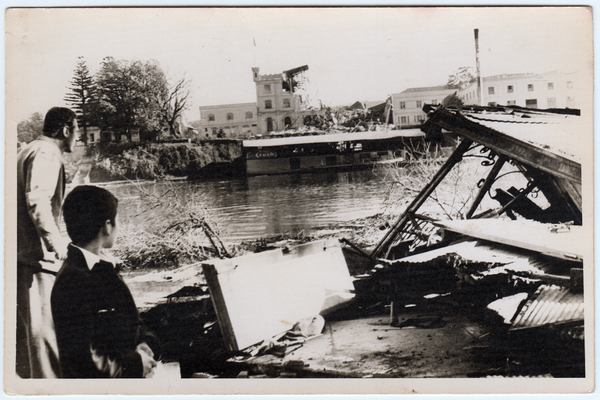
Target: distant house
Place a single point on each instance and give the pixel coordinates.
(408, 105)
(96, 135)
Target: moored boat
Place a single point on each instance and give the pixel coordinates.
(328, 151)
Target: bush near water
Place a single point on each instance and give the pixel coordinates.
(157, 161)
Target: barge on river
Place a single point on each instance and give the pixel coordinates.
(328, 151)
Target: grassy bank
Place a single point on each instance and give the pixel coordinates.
(158, 161)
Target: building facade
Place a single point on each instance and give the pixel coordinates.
(543, 91)
(408, 105)
(278, 107)
(229, 120)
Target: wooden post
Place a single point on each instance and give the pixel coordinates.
(389, 237)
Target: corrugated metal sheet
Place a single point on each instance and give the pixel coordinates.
(554, 148)
(558, 133)
(550, 304)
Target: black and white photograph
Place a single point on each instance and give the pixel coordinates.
(299, 200)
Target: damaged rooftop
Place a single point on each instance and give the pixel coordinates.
(492, 288)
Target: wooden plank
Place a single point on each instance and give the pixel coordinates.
(529, 235)
(260, 295)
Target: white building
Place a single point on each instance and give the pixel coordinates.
(229, 120)
(543, 91)
(277, 108)
(408, 105)
(549, 90)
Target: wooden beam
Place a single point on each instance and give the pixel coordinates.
(511, 147)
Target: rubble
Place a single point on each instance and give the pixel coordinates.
(498, 291)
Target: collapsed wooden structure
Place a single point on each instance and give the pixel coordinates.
(495, 288)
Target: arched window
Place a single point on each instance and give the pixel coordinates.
(268, 104)
(248, 114)
(287, 122)
(211, 117)
(229, 116)
(286, 103)
(269, 124)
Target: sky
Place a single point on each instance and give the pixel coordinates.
(353, 53)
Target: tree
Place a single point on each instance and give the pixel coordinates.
(31, 128)
(127, 97)
(82, 97)
(462, 78)
(172, 104)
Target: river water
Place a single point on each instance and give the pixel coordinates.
(258, 206)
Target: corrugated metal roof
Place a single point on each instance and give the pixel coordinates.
(551, 142)
(562, 134)
(551, 304)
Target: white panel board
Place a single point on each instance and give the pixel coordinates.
(260, 295)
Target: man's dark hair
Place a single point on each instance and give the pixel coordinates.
(56, 119)
(85, 210)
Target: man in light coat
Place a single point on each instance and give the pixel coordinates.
(40, 244)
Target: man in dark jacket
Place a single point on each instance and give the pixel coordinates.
(98, 328)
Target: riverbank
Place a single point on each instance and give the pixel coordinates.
(163, 161)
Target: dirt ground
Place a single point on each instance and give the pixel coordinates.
(424, 343)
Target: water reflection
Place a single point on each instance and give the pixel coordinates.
(253, 207)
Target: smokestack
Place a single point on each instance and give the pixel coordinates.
(479, 92)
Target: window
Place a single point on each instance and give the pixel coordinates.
(286, 103)
(91, 137)
(550, 85)
(402, 104)
(492, 104)
(404, 120)
(434, 102)
(511, 102)
(510, 89)
(214, 131)
(530, 87)
(419, 104)
(248, 114)
(531, 103)
(229, 116)
(268, 104)
(267, 88)
(552, 102)
(211, 117)
(491, 90)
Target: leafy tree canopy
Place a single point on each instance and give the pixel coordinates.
(31, 128)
